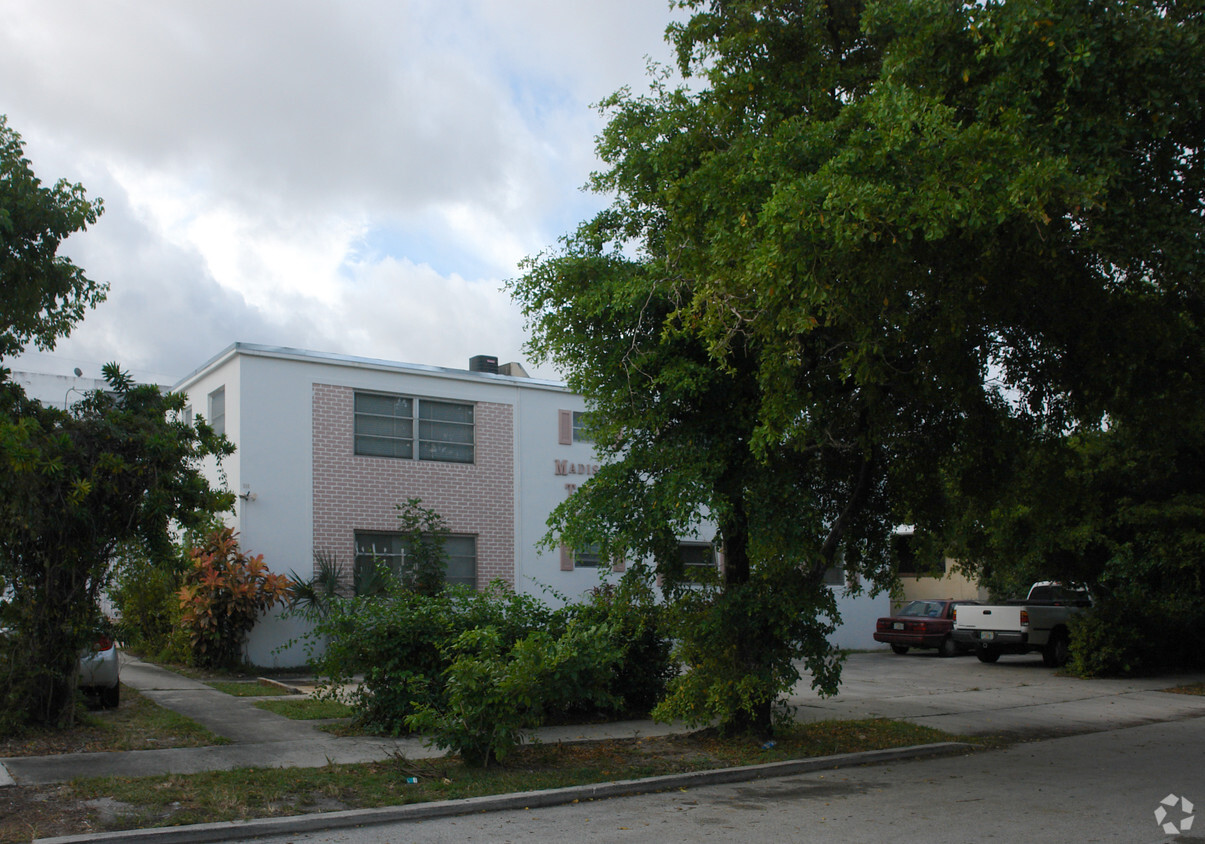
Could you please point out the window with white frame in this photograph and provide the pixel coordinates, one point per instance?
(413, 428)
(217, 410)
(393, 550)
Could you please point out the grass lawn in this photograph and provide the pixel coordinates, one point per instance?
(137, 724)
(306, 709)
(128, 803)
(247, 688)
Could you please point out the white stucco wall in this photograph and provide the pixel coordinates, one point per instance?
(269, 412)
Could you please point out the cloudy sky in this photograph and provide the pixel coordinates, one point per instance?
(349, 176)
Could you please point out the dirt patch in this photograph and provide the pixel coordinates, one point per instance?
(41, 812)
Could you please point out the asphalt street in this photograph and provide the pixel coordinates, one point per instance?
(1096, 787)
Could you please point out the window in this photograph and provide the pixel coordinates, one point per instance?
(913, 560)
(385, 427)
(698, 562)
(187, 415)
(834, 576)
(392, 548)
(572, 427)
(217, 410)
(580, 434)
(586, 557)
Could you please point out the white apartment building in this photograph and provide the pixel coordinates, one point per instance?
(329, 444)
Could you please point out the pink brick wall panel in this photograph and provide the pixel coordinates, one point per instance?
(360, 493)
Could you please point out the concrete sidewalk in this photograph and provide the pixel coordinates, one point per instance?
(1017, 696)
(257, 738)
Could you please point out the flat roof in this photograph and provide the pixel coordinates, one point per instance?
(331, 359)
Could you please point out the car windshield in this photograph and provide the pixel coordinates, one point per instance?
(924, 609)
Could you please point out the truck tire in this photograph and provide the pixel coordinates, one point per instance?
(900, 649)
(987, 654)
(947, 648)
(1057, 650)
(111, 697)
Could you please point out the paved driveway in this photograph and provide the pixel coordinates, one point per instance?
(1017, 696)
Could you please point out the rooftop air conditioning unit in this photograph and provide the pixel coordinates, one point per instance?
(484, 363)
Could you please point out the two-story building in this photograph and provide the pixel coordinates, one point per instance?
(328, 445)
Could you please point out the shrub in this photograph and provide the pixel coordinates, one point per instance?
(1128, 633)
(494, 695)
(399, 642)
(629, 611)
(740, 647)
(145, 595)
(224, 593)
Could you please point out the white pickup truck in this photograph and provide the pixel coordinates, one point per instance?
(1037, 623)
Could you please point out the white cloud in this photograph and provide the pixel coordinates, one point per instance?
(347, 177)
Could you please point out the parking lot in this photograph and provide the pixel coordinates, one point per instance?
(1017, 696)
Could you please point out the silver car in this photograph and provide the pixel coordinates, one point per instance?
(99, 671)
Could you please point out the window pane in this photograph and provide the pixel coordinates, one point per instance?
(217, 410)
(447, 452)
(384, 447)
(445, 412)
(586, 557)
(384, 425)
(462, 560)
(383, 405)
(580, 434)
(445, 432)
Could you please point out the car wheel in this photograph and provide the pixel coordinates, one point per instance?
(948, 647)
(111, 697)
(1057, 650)
(987, 654)
(900, 649)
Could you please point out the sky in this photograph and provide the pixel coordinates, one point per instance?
(350, 176)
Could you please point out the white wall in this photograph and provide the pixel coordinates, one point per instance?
(858, 617)
(540, 490)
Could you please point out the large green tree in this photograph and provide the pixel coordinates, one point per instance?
(42, 294)
(119, 471)
(114, 471)
(864, 242)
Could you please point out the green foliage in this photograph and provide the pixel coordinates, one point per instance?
(76, 489)
(224, 593)
(493, 695)
(424, 532)
(1134, 632)
(397, 641)
(42, 294)
(865, 248)
(143, 591)
(312, 596)
(736, 681)
(635, 626)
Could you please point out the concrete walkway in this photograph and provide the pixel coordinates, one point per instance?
(257, 738)
(1017, 697)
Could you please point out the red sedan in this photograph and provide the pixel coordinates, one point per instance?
(921, 624)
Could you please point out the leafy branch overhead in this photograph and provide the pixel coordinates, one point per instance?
(859, 253)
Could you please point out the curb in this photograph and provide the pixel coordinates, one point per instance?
(298, 824)
(268, 681)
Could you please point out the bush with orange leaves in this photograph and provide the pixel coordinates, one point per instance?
(224, 593)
